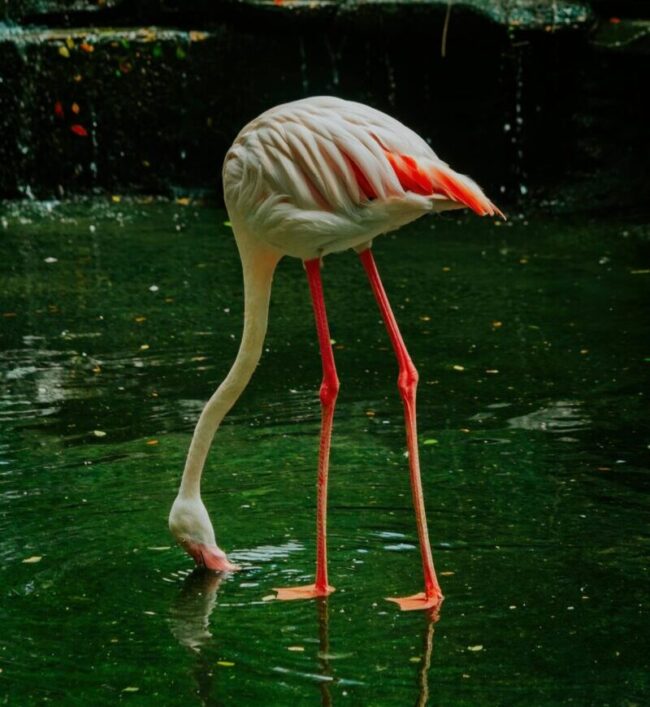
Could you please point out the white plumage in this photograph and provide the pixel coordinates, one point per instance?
(295, 177)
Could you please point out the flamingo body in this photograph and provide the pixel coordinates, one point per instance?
(306, 179)
(323, 174)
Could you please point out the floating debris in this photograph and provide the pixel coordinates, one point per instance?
(32, 560)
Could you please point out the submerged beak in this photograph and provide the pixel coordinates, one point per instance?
(209, 556)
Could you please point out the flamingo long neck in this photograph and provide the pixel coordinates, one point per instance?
(258, 268)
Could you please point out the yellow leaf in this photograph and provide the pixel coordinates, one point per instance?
(32, 560)
(64, 52)
(225, 663)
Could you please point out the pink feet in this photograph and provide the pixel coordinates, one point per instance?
(309, 591)
(418, 601)
(209, 556)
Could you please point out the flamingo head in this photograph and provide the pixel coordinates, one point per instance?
(190, 524)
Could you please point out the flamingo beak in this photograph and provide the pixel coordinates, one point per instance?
(209, 556)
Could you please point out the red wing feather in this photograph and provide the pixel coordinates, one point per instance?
(440, 180)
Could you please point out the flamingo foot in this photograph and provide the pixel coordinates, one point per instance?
(309, 591)
(210, 556)
(418, 601)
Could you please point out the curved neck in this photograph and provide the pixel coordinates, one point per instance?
(258, 267)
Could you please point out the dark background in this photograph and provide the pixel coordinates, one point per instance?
(536, 100)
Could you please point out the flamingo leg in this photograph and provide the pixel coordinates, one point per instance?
(407, 383)
(328, 393)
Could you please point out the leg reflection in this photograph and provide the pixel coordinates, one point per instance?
(324, 651)
(427, 640)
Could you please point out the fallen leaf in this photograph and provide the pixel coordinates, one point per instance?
(225, 663)
(131, 689)
(88, 48)
(296, 649)
(475, 649)
(79, 130)
(75, 108)
(456, 367)
(69, 42)
(64, 52)
(430, 441)
(152, 442)
(58, 110)
(99, 433)
(32, 560)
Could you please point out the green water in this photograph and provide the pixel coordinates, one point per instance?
(119, 319)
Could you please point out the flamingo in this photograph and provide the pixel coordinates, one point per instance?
(305, 179)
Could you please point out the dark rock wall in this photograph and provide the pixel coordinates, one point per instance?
(132, 106)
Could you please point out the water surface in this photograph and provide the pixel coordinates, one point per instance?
(117, 322)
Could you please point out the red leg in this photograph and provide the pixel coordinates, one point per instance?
(407, 384)
(328, 392)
